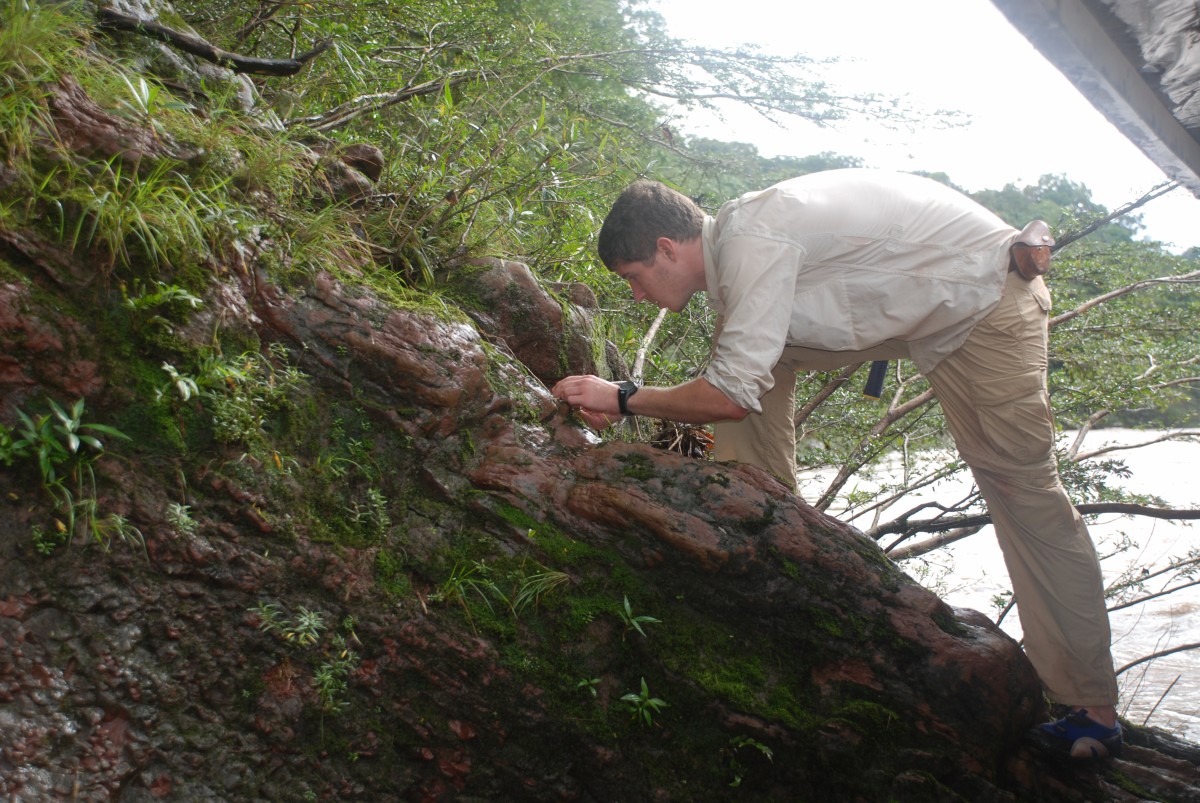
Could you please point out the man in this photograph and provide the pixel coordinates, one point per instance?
(843, 266)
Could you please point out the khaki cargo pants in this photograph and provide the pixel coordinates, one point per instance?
(993, 393)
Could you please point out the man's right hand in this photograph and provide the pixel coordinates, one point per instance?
(595, 399)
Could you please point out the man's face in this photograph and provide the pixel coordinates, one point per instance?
(659, 281)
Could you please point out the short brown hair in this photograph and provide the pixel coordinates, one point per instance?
(643, 212)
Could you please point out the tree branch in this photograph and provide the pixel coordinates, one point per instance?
(1169, 436)
(929, 544)
(938, 525)
(1159, 654)
(1156, 192)
(196, 46)
(848, 470)
(364, 104)
(824, 393)
(639, 362)
(1164, 593)
(1183, 278)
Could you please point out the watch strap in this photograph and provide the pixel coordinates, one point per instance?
(625, 389)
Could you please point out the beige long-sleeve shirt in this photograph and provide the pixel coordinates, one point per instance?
(841, 261)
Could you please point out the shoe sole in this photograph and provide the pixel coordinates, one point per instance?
(1083, 749)
(1088, 749)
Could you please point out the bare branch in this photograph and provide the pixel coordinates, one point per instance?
(1159, 654)
(1156, 192)
(818, 398)
(937, 525)
(639, 362)
(1158, 702)
(196, 46)
(929, 544)
(1167, 436)
(916, 485)
(1164, 593)
(1093, 419)
(893, 415)
(364, 104)
(1183, 278)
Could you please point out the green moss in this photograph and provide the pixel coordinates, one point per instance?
(166, 426)
(390, 574)
(790, 568)
(829, 622)
(753, 525)
(463, 287)
(1129, 785)
(944, 619)
(516, 517)
(734, 669)
(10, 274)
(719, 478)
(637, 466)
(876, 718)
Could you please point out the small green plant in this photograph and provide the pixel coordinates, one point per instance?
(179, 516)
(736, 767)
(64, 448)
(242, 393)
(371, 518)
(643, 706)
(466, 580)
(185, 386)
(46, 541)
(148, 307)
(114, 525)
(270, 616)
(634, 622)
(54, 439)
(156, 216)
(146, 98)
(332, 675)
(590, 684)
(307, 628)
(331, 656)
(536, 586)
(304, 629)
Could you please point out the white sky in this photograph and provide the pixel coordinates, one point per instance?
(939, 54)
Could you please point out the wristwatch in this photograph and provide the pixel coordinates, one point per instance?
(625, 389)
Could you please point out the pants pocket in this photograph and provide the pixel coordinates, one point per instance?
(1014, 414)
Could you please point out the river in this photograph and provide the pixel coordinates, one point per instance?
(1164, 692)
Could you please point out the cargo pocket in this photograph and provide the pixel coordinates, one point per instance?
(1014, 413)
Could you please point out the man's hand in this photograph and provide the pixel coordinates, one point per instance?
(594, 398)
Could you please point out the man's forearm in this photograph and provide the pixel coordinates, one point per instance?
(694, 402)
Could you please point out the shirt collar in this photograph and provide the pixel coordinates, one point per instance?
(708, 238)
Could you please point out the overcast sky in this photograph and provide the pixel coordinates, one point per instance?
(939, 54)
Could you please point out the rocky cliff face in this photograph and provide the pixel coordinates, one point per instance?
(371, 559)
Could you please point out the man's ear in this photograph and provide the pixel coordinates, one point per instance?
(667, 247)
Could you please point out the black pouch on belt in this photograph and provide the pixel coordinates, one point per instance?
(1030, 252)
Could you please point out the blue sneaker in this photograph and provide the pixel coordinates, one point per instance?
(1078, 737)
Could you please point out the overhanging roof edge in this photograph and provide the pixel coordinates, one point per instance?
(1068, 34)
